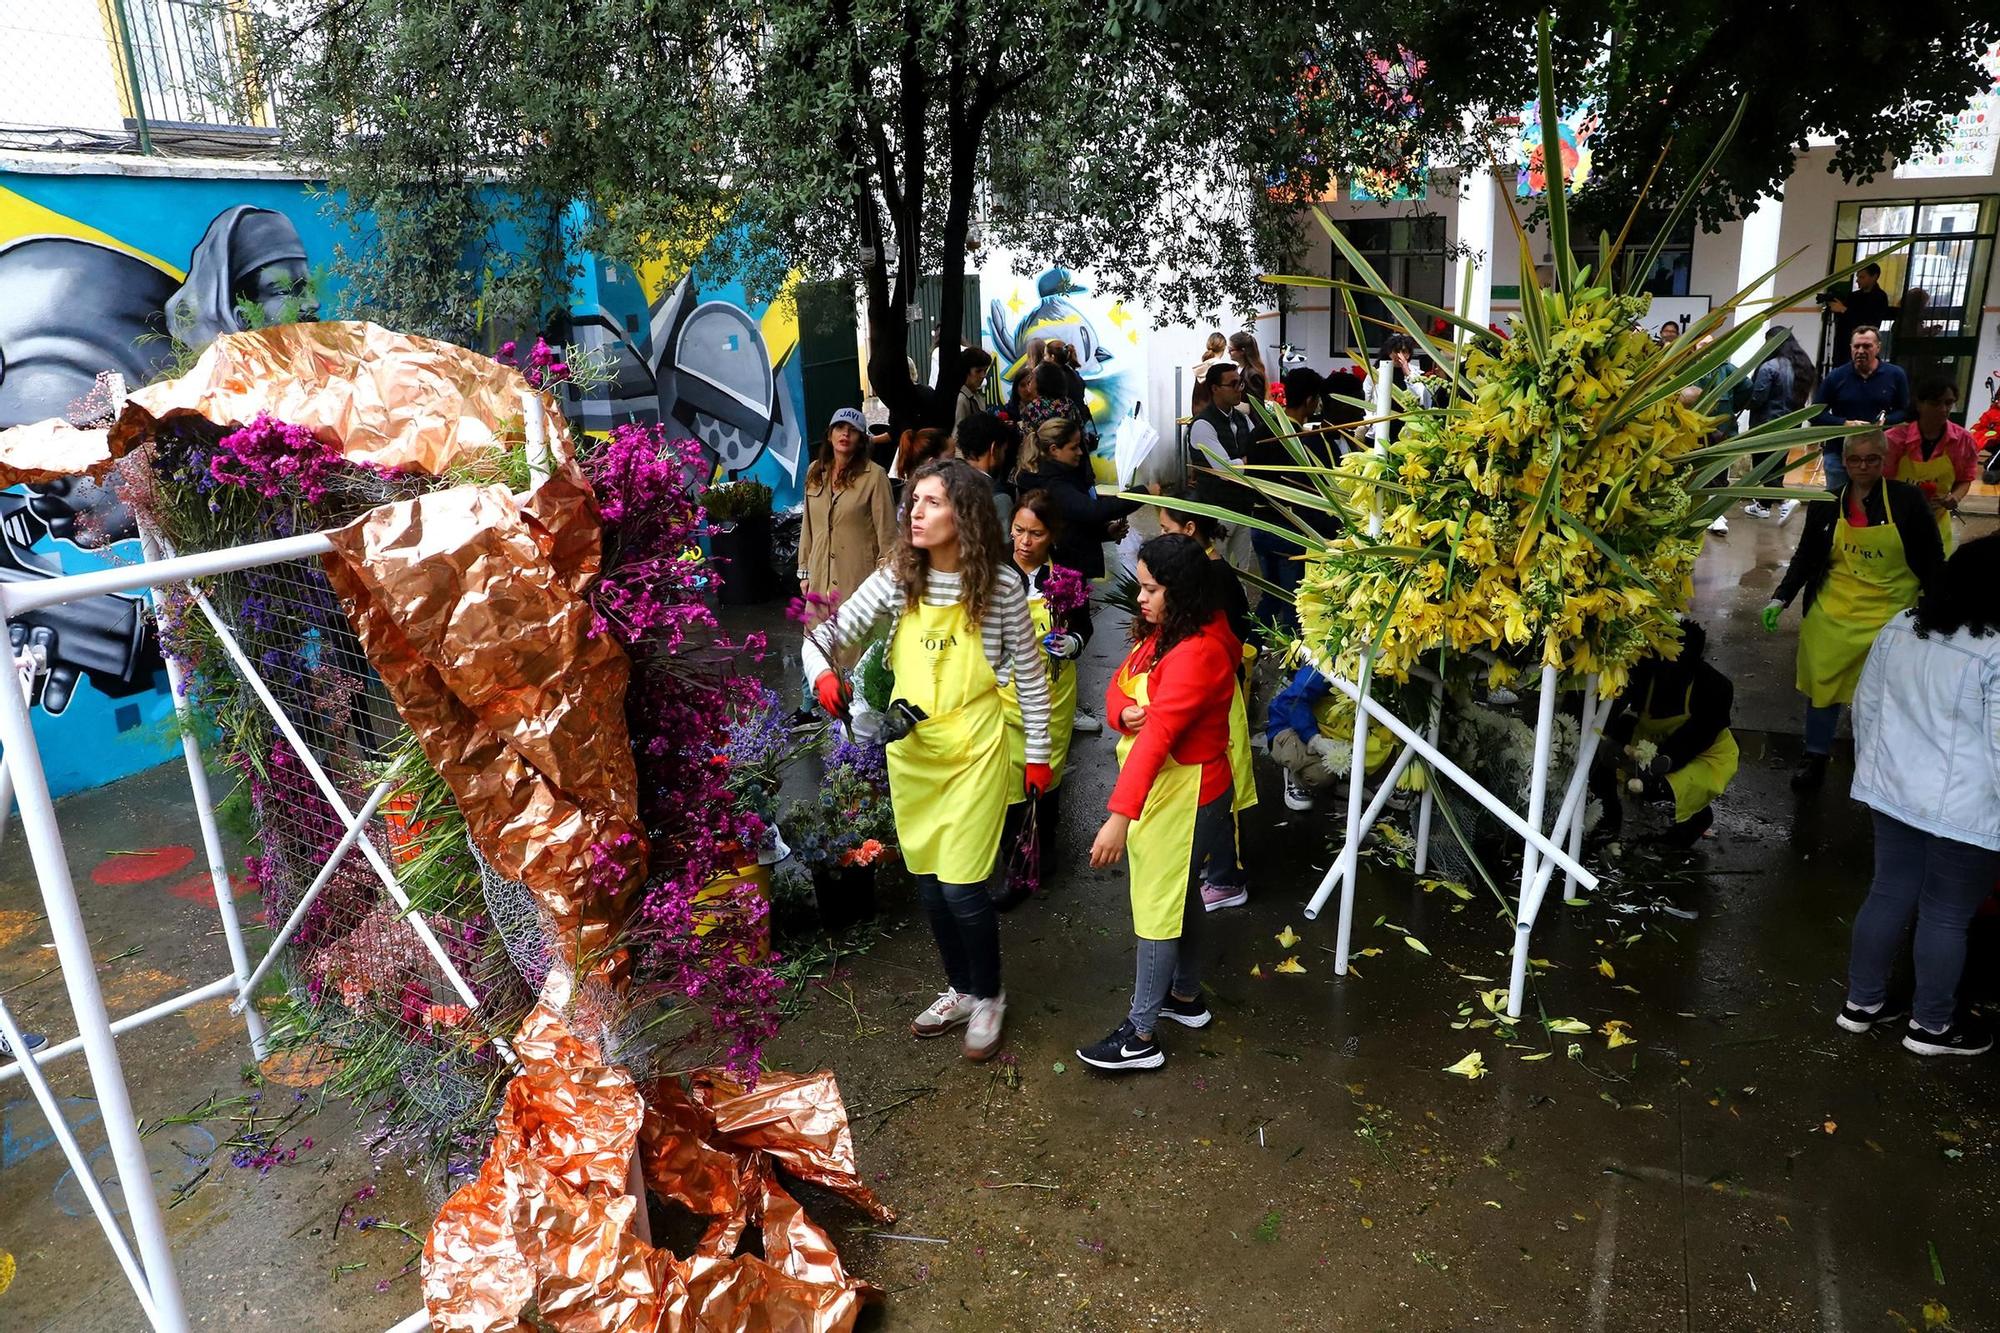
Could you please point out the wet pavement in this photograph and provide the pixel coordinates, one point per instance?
(1303, 1163)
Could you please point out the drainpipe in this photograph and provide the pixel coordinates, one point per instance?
(132, 75)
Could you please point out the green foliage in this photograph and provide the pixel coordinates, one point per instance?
(875, 679)
(734, 501)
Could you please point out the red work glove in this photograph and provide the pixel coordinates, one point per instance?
(833, 693)
(1040, 778)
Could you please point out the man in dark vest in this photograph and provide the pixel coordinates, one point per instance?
(1221, 432)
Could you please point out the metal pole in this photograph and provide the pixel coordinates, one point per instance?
(132, 76)
(298, 916)
(86, 1179)
(79, 973)
(1538, 788)
(204, 810)
(220, 988)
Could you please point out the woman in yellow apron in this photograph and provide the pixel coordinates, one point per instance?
(1171, 809)
(1032, 532)
(1682, 708)
(1861, 559)
(1935, 454)
(1224, 881)
(960, 621)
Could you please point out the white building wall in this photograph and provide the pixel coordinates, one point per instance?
(61, 68)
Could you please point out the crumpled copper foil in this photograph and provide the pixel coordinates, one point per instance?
(388, 398)
(547, 1222)
(50, 450)
(470, 606)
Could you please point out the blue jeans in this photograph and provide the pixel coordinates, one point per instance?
(1835, 464)
(967, 929)
(1821, 723)
(1278, 561)
(1939, 881)
(1172, 964)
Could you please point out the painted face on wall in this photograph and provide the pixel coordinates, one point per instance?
(283, 291)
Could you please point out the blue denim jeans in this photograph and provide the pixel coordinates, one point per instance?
(1173, 964)
(1278, 561)
(967, 929)
(1940, 882)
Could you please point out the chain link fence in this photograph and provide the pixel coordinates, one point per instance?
(172, 77)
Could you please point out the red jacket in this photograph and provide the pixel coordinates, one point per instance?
(1187, 717)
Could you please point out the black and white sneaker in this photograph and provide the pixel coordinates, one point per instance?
(1961, 1038)
(1861, 1020)
(36, 1041)
(1188, 1013)
(1123, 1049)
(1298, 796)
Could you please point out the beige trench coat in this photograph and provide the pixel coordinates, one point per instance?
(847, 532)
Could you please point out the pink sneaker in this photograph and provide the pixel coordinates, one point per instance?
(1215, 897)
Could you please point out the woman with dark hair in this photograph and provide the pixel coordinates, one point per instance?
(960, 627)
(1032, 536)
(1171, 807)
(1926, 763)
(850, 517)
(1052, 398)
(1935, 454)
(1862, 558)
(1681, 708)
(1056, 463)
(1222, 881)
(916, 448)
(1249, 359)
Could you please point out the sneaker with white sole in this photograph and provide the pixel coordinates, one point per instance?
(1298, 796)
(1757, 509)
(1721, 525)
(35, 1041)
(1963, 1037)
(982, 1030)
(946, 1012)
(1786, 510)
(1854, 1019)
(1123, 1049)
(1193, 1013)
(1086, 724)
(1215, 897)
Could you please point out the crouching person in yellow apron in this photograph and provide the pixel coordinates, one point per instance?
(1676, 715)
(1172, 810)
(955, 611)
(1861, 559)
(1033, 531)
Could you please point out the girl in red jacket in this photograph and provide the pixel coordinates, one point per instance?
(1171, 808)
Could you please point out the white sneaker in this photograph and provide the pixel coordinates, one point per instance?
(982, 1034)
(1786, 510)
(1721, 524)
(1757, 509)
(946, 1012)
(1086, 724)
(1297, 796)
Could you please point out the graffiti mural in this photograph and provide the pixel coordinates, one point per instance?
(723, 369)
(103, 273)
(1107, 335)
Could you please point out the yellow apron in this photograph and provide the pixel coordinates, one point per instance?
(1062, 711)
(1703, 778)
(1160, 843)
(948, 777)
(1868, 583)
(1240, 772)
(1934, 477)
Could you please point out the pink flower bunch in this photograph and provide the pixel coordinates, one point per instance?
(653, 582)
(545, 369)
(273, 458)
(1064, 590)
(380, 964)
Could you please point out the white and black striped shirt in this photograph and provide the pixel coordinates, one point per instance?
(1008, 635)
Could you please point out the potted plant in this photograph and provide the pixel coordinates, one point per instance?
(846, 833)
(739, 539)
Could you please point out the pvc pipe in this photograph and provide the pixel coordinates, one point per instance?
(204, 809)
(214, 990)
(1350, 850)
(339, 803)
(537, 438)
(420, 1322)
(1570, 818)
(1429, 798)
(79, 973)
(1443, 766)
(1538, 790)
(1385, 371)
(86, 1179)
(39, 593)
(320, 881)
(1344, 863)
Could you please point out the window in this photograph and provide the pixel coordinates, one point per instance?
(1409, 253)
(1936, 282)
(193, 66)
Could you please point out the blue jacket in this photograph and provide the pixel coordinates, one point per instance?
(1848, 397)
(1292, 709)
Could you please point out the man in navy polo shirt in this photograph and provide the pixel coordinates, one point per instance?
(1866, 389)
